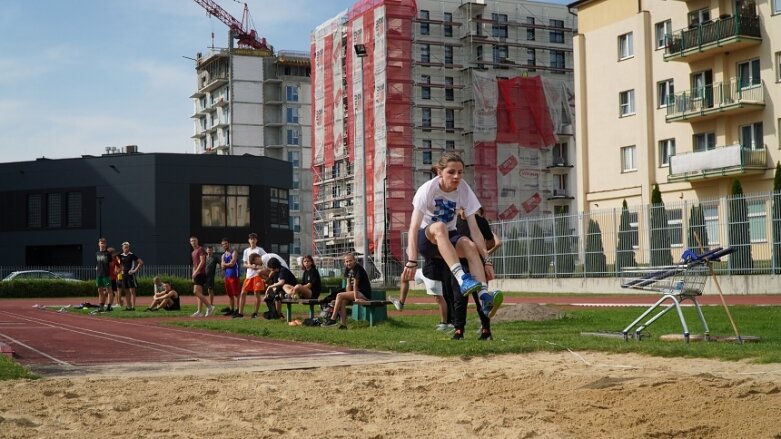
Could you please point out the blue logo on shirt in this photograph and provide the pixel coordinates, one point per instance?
(444, 210)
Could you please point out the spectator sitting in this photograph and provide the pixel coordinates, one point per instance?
(284, 282)
(309, 288)
(168, 299)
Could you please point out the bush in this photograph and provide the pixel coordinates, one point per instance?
(46, 288)
(625, 253)
(596, 264)
(741, 261)
(660, 232)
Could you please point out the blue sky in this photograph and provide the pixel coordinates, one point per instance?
(77, 76)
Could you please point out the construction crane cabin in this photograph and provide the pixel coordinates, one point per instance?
(240, 30)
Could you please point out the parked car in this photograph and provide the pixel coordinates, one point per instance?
(36, 275)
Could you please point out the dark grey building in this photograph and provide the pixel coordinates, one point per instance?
(53, 211)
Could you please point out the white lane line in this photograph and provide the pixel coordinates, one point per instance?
(44, 354)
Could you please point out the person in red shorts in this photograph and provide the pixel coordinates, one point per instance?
(254, 283)
(230, 270)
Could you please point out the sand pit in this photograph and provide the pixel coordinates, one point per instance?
(526, 312)
(539, 395)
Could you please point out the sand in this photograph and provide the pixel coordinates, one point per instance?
(537, 395)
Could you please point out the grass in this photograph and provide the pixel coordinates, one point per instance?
(11, 370)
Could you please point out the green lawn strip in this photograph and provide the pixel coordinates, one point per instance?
(11, 370)
(415, 333)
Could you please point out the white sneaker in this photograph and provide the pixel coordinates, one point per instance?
(442, 327)
(397, 303)
(209, 311)
(197, 314)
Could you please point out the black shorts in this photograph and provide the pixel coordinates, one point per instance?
(199, 279)
(209, 282)
(435, 269)
(428, 249)
(114, 286)
(129, 281)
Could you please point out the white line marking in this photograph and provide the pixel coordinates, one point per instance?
(57, 360)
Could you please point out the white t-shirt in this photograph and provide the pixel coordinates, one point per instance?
(247, 252)
(440, 206)
(267, 257)
(433, 287)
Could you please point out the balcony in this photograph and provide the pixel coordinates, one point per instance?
(559, 165)
(559, 194)
(726, 34)
(714, 100)
(718, 162)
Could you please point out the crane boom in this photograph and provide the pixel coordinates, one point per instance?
(247, 37)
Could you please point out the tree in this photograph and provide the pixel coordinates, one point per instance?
(564, 256)
(697, 228)
(660, 233)
(740, 262)
(625, 253)
(777, 219)
(596, 264)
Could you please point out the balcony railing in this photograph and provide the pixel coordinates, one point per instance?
(734, 97)
(728, 33)
(718, 162)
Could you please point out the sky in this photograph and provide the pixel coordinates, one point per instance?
(78, 76)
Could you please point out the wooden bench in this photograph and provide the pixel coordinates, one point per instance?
(372, 311)
(311, 303)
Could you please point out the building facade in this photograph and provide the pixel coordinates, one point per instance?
(55, 210)
(255, 102)
(683, 94)
(396, 83)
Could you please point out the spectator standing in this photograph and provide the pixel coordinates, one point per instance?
(253, 283)
(102, 275)
(129, 265)
(212, 261)
(230, 271)
(198, 256)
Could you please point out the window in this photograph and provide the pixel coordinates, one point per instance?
(778, 65)
(291, 92)
(675, 226)
(292, 115)
(54, 210)
(500, 53)
(626, 103)
(557, 60)
(279, 209)
(665, 92)
(426, 117)
(294, 157)
(628, 163)
(634, 229)
(702, 87)
(425, 53)
(450, 145)
(427, 159)
(425, 89)
(560, 154)
(447, 30)
(449, 92)
(424, 27)
(530, 31)
(450, 119)
(666, 150)
(74, 209)
(757, 216)
(748, 73)
(711, 214)
(34, 211)
(448, 54)
(224, 206)
(751, 136)
(295, 223)
(499, 30)
(699, 17)
(625, 46)
(777, 6)
(664, 31)
(531, 58)
(296, 179)
(295, 203)
(704, 142)
(293, 136)
(556, 36)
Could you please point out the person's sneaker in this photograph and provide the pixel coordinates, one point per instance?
(330, 323)
(490, 302)
(469, 284)
(237, 315)
(108, 308)
(397, 303)
(196, 314)
(485, 334)
(209, 311)
(442, 327)
(342, 327)
(226, 310)
(254, 315)
(458, 335)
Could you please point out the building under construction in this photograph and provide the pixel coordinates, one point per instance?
(395, 83)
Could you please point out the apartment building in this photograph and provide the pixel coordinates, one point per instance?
(255, 102)
(680, 93)
(396, 83)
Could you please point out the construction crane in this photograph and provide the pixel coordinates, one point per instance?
(248, 38)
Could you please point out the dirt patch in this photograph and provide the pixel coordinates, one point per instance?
(526, 312)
